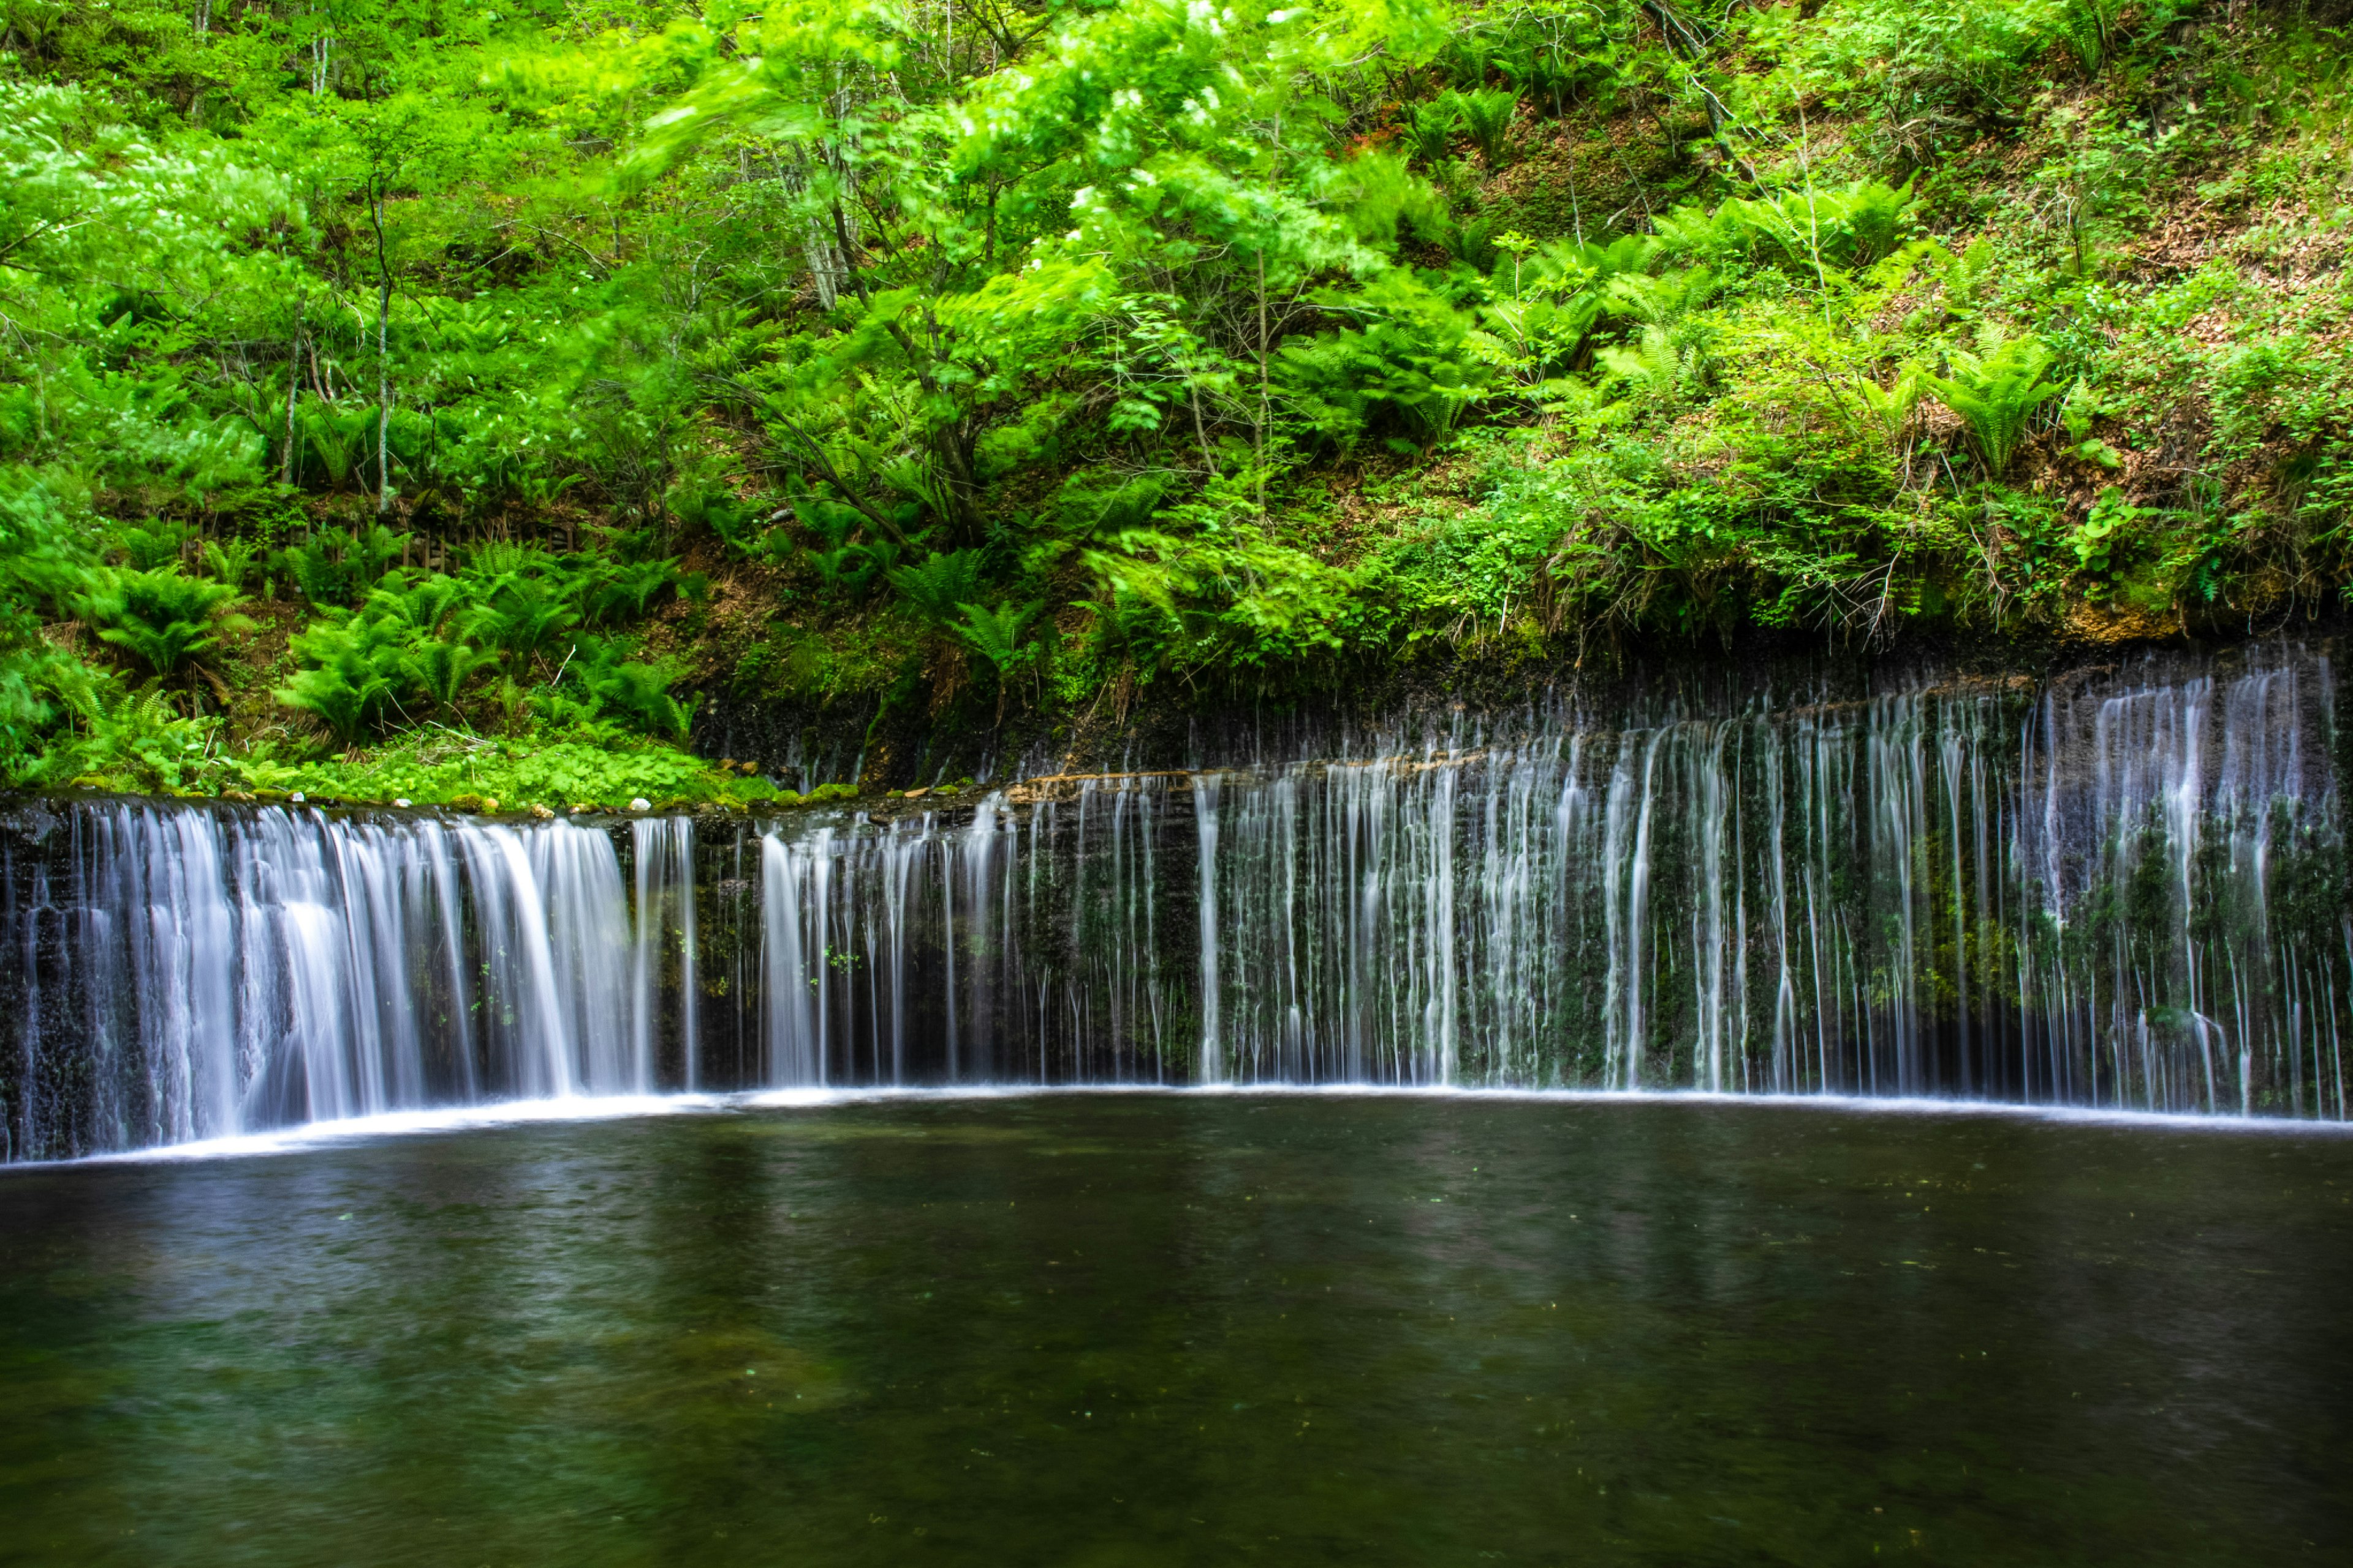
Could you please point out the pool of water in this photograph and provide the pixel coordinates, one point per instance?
(1105, 1329)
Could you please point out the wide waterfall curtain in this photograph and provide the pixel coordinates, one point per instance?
(2121, 889)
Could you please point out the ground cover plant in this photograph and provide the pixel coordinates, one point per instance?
(408, 400)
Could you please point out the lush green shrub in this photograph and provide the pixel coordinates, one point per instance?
(164, 619)
(1997, 393)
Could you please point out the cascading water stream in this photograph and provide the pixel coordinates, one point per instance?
(2125, 890)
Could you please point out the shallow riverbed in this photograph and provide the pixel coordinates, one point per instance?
(1096, 1329)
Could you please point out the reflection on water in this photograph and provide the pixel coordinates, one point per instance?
(1110, 1328)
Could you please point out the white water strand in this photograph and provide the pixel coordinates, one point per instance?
(662, 984)
(1204, 824)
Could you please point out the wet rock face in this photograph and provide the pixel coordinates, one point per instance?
(2123, 886)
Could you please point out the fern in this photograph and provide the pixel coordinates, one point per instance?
(232, 560)
(440, 668)
(524, 614)
(996, 634)
(1566, 263)
(1487, 116)
(334, 570)
(1996, 395)
(1888, 409)
(2090, 29)
(614, 591)
(922, 481)
(424, 608)
(637, 691)
(1651, 363)
(1432, 127)
(358, 671)
(164, 544)
(338, 437)
(500, 558)
(1843, 227)
(941, 585)
(372, 552)
(123, 740)
(162, 620)
(1662, 300)
(1472, 240)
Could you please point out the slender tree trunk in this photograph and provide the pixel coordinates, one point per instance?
(1265, 403)
(383, 359)
(382, 400)
(1575, 214)
(293, 383)
(1263, 400)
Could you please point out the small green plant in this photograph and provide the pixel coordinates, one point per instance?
(1995, 393)
(636, 693)
(1487, 116)
(162, 618)
(425, 607)
(996, 634)
(1433, 127)
(232, 560)
(119, 739)
(940, 585)
(161, 544)
(440, 668)
(614, 590)
(522, 615)
(355, 678)
(2104, 531)
(334, 570)
(1888, 409)
(1818, 226)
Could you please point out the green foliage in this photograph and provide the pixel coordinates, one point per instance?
(1997, 393)
(1842, 227)
(441, 667)
(334, 570)
(41, 555)
(1926, 71)
(1487, 117)
(577, 764)
(354, 674)
(1433, 127)
(1227, 335)
(2104, 531)
(940, 586)
(161, 545)
(1407, 372)
(996, 634)
(634, 692)
(130, 739)
(485, 644)
(522, 613)
(231, 559)
(161, 618)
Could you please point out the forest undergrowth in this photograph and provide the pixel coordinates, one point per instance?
(402, 400)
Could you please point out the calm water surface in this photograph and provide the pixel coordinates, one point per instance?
(1112, 1330)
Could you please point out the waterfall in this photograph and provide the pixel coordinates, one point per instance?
(2121, 887)
(1205, 827)
(186, 973)
(664, 947)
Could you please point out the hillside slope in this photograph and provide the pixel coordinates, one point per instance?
(401, 401)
